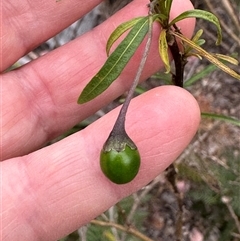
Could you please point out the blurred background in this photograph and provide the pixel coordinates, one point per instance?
(206, 205)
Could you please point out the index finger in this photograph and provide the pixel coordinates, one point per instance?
(26, 24)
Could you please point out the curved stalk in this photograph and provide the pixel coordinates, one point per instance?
(119, 127)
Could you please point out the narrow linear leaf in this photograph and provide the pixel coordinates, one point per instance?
(161, 4)
(195, 39)
(207, 55)
(164, 7)
(227, 58)
(168, 6)
(154, 8)
(115, 62)
(221, 117)
(122, 28)
(209, 69)
(200, 42)
(197, 36)
(163, 50)
(197, 13)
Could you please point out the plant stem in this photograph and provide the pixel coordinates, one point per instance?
(130, 230)
(119, 127)
(179, 62)
(171, 177)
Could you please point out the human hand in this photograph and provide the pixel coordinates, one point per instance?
(50, 192)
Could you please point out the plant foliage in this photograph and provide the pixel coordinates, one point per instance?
(138, 27)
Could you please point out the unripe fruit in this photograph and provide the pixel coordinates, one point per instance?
(120, 166)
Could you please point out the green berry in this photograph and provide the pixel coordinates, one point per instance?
(120, 166)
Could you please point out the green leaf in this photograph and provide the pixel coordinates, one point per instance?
(168, 4)
(159, 8)
(197, 36)
(221, 117)
(207, 55)
(122, 28)
(165, 6)
(200, 42)
(163, 50)
(197, 13)
(209, 69)
(115, 62)
(196, 39)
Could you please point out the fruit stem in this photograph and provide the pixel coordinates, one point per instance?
(119, 126)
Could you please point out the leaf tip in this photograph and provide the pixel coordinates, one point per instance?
(80, 100)
(219, 39)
